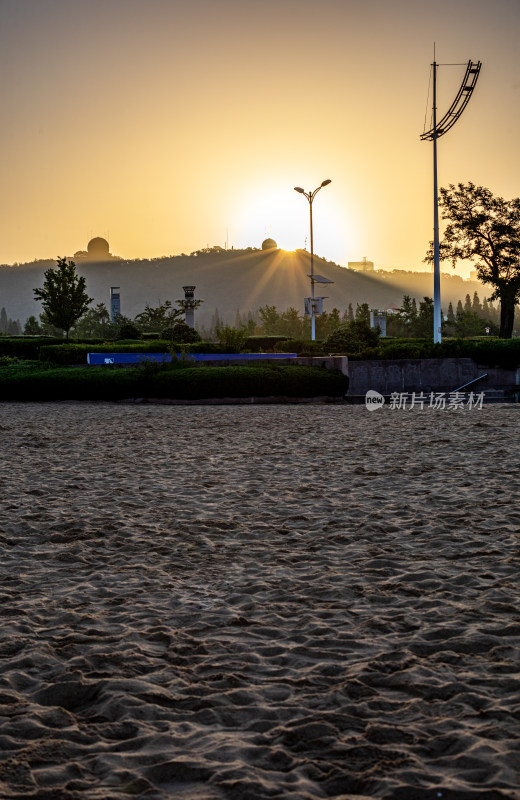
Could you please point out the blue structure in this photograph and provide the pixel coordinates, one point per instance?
(138, 358)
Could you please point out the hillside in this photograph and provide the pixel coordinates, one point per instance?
(231, 281)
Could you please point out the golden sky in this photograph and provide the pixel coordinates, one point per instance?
(168, 125)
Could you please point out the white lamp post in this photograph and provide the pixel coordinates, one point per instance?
(310, 197)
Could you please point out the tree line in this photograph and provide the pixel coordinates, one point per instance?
(412, 320)
(473, 318)
(8, 326)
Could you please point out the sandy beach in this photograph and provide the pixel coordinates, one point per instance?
(257, 602)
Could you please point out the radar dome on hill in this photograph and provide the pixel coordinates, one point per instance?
(98, 248)
(269, 244)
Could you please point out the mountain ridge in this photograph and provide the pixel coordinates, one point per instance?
(231, 281)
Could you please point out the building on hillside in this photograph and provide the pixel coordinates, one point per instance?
(98, 249)
(361, 266)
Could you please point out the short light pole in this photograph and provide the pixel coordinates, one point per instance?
(310, 197)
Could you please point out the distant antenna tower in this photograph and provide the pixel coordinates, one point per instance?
(436, 131)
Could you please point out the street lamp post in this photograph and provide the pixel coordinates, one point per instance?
(310, 197)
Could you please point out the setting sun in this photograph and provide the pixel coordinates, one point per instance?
(280, 213)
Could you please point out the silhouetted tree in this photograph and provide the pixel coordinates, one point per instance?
(408, 310)
(469, 324)
(352, 338)
(233, 339)
(423, 326)
(291, 324)
(127, 330)
(486, 230)
(245, 320)
(489, 312)
(327, 323)
(63, 295)
(32, 327)
(96, 323)
(269, 320)
(403, 323)
(155, 319)
(180, 333)
(215, 324)
(363, 312)
(47, 329)
(451, 314)
(476, 305)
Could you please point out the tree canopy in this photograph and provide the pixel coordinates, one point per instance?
(352, 337)
(63, 296)
(486, 230)
(163, 316)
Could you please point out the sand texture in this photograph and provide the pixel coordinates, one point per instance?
(243, 603)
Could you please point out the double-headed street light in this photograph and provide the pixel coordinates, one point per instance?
(310, 197)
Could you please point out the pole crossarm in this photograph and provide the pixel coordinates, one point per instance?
(459, 104)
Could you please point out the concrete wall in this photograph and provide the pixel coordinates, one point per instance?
(428, 374)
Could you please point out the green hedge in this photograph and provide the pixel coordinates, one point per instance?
(303, 347)
(77, 353)
(261, 344)
(25, 347)
(29, 347)
(485, 352)
(191, 383)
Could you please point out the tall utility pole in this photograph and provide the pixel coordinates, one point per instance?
(437, 321)
(435, 132)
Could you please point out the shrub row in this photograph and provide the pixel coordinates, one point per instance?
(192, 383)
(25, 347)
(29, 347)
(264, 343)
(75, 353)
(303, 347)
(487, 352)
(503, 353)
